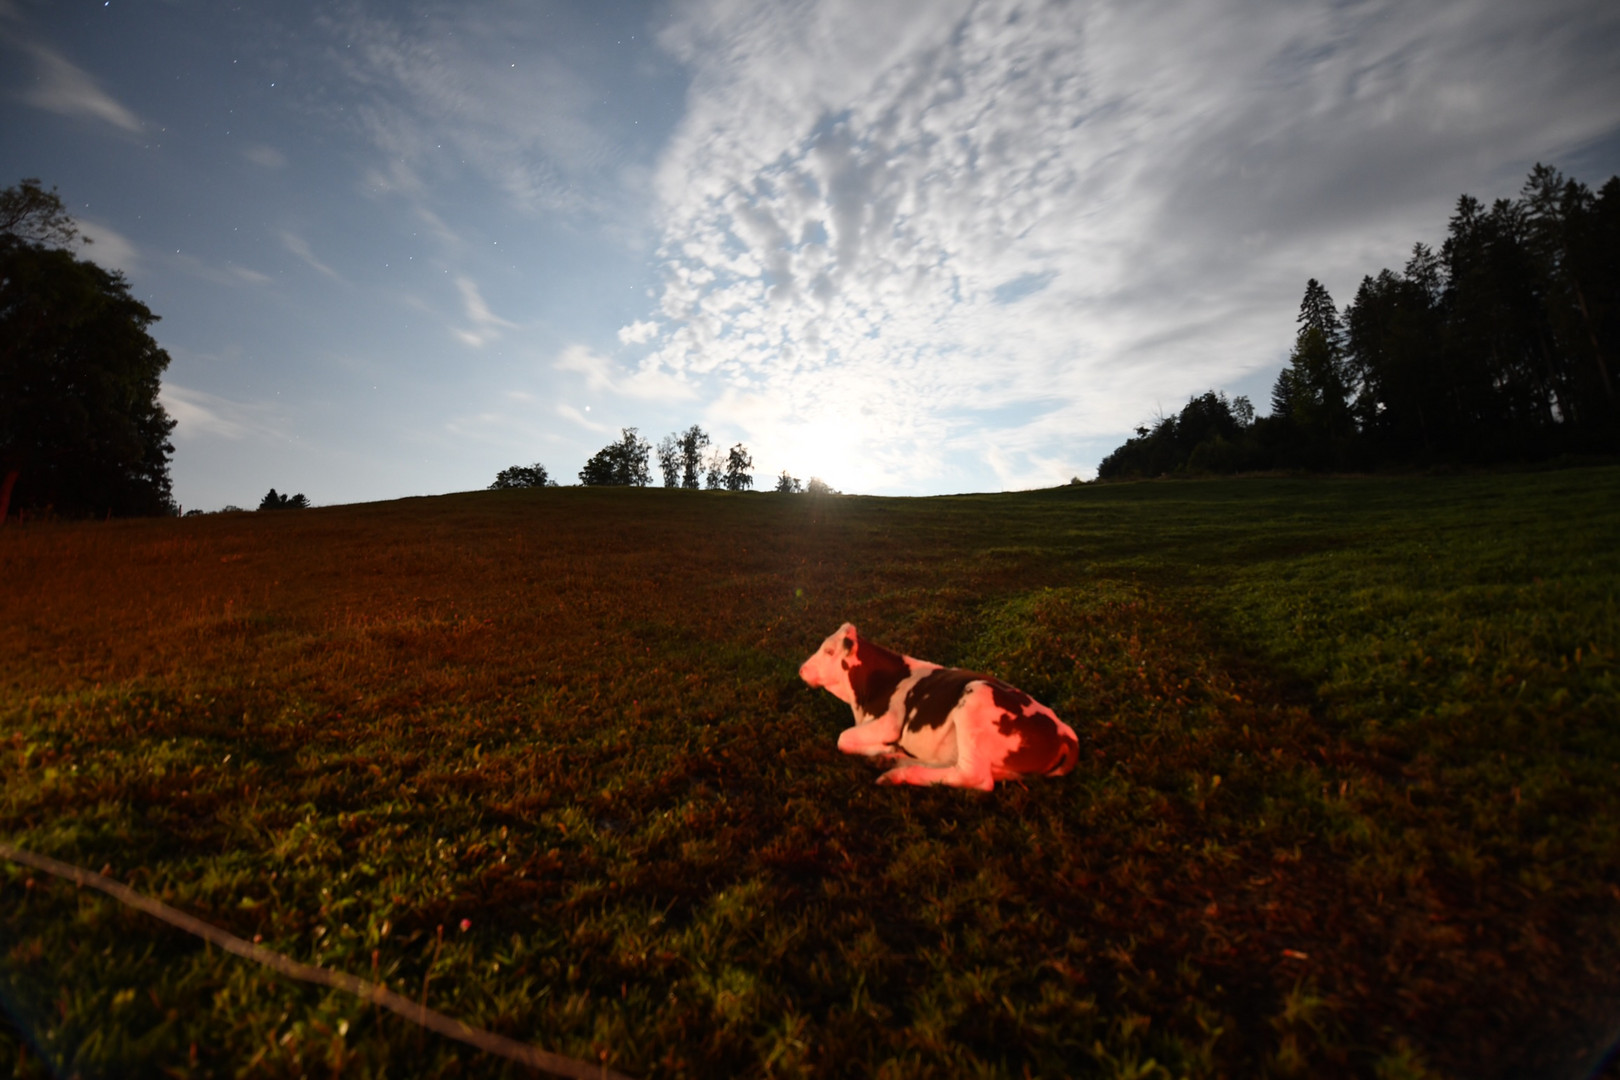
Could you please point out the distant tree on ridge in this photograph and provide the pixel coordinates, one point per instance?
(738, 476)
(619, 464)
(272, 501)
(522, 476)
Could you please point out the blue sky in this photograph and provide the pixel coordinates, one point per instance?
(908, 247)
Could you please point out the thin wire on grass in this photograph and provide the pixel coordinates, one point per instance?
(488, 1041)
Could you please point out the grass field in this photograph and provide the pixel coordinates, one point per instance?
(1348, 803)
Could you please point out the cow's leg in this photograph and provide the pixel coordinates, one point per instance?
(955, 775)
(871, 739)
(969, 722)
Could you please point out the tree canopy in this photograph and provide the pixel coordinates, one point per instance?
(739, 466)
(31, 215)
(272, 501)
(1499, 346)
(522, 476)
(619, 464)
(81, 429)
(680, 457)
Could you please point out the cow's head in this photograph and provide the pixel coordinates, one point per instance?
(828, 667)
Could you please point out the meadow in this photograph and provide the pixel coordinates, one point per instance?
(1348, 801)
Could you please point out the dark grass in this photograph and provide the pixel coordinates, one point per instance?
(1349, 803)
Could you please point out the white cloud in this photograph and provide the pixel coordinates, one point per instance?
(61, 87)
(601, 374)
(486, 325)
(109, 247)
(926, 234)
(494, 94)
(265, 156)
(300, 247)
(247, 276)
(639, 332)
(199, 414)
(569, 412)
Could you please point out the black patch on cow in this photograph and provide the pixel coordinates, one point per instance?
(932, 697)
(1042, 747)
(874, 675)
(1008, 698)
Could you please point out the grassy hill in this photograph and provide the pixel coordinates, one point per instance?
(1348, 804)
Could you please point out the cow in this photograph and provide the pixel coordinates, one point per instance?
(937, 725)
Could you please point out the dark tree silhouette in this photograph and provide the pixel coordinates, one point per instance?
(739, 476)
(31, 215)
(669, 460)
(714, 474)
(1211, 434)
(788, 484)
(81, 428)
(522, 476)
(680, 458)
(272, 501)
(1499, 346)
(619, 464)
(1311, 400)
(692, 441)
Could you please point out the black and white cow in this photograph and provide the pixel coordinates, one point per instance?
(937, 725)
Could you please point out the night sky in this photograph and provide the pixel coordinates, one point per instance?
(908, 247)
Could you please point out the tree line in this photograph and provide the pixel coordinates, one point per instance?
(627, 462)
(1500, 346)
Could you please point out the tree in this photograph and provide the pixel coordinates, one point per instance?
(81, 428)
(1211, 434)
(788, 484)
(738, 465)
(692, 443)
(669, 460)
(31, 215)
(272, 501)
(1316, 311)
(818, 486)
(1565, 236)
(1500, 345)
(522, 476)
(620, 464)
(1311, 398)
(714, 478)
(1393, 353)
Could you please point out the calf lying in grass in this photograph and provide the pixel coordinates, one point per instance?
(937, 725)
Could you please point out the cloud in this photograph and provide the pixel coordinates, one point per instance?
(446, 89)
(646, 383)
(941, 234)
(639, 332)
(61, 87)
(247, 276)
(109, 247)
(228, 274)
(568, 412)
(486, 324)
(199, 415)
(300, 247)
(265, 156)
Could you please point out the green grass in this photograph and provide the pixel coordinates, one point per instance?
(1348, 804)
